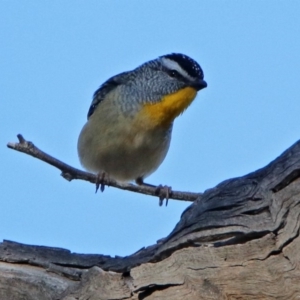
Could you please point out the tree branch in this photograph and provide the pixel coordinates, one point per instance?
(70, 173)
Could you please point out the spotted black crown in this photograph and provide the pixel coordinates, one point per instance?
(186, 63)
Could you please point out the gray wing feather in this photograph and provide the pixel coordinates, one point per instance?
(105, 88)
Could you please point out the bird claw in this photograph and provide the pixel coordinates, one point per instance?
(100, 181)
(163, 193)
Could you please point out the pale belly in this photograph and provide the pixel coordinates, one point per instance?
(125, 153)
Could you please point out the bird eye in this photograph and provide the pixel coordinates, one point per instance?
(173, 73)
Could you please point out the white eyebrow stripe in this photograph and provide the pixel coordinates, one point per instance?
(173, 65)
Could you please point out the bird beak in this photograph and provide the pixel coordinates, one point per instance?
(199, 85)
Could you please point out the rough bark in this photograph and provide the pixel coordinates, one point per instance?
(239, 241)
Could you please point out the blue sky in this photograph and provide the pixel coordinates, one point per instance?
(54, 55)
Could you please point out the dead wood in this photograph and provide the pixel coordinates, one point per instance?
(240, 240)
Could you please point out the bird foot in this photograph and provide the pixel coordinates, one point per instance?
(100, 181)
(163, 192)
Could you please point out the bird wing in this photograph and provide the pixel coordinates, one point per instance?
(105, 88)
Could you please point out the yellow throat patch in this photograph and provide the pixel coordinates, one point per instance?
(171, 106)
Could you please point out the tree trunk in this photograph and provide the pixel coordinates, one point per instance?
(240, 240)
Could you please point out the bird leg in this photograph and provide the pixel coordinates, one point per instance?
(101, 176)
(163, 192)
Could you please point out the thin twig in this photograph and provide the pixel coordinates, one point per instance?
(71, 173)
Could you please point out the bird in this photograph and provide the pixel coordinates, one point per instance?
(129, 123)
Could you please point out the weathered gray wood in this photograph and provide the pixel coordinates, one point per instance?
(240, 241)
(25, 281)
